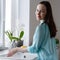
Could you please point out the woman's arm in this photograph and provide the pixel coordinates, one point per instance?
(15, 50)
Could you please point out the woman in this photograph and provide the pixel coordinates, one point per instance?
(44, 37)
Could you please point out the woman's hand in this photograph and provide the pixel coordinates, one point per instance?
(12, 51)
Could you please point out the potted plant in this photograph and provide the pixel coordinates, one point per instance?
(57, 42)
(18, 39)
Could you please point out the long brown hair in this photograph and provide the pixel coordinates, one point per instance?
(49, 19)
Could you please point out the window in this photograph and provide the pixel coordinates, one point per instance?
(11, 18)
(14, 15)
(2, 21)
(8, 19)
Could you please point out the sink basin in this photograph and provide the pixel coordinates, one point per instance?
(19, 56)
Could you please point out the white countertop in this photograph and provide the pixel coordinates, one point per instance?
(17, 56)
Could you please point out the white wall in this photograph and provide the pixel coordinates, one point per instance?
(56, 14)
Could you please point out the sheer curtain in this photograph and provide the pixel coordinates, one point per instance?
(8, 19)
(14, 15)
(2, 21)
(11, 18)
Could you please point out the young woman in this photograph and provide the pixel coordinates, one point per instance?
(44, 37)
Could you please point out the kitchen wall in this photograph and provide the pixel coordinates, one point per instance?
(56, 14)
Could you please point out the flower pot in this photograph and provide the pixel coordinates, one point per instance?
(19, 43)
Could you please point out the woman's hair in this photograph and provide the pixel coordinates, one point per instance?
(49, 18)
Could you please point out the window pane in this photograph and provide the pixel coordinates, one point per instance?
(2, 21)
(7, 20)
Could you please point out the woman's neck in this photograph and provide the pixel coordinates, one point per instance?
(41, 21)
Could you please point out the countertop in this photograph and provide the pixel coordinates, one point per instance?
(17, 56)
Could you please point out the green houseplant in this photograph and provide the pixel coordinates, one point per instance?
(57, 42)
(14, 38)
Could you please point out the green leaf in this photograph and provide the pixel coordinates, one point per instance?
(21, 34)
(9, 34)
(57, 41)
(15, 38)
(11, 37)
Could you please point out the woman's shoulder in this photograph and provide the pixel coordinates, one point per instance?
(43, 25)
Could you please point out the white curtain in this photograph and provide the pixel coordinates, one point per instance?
(11, 18)
(15, 16)
(2, 21)
(8, 19)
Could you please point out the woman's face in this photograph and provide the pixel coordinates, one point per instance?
(40, 12)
